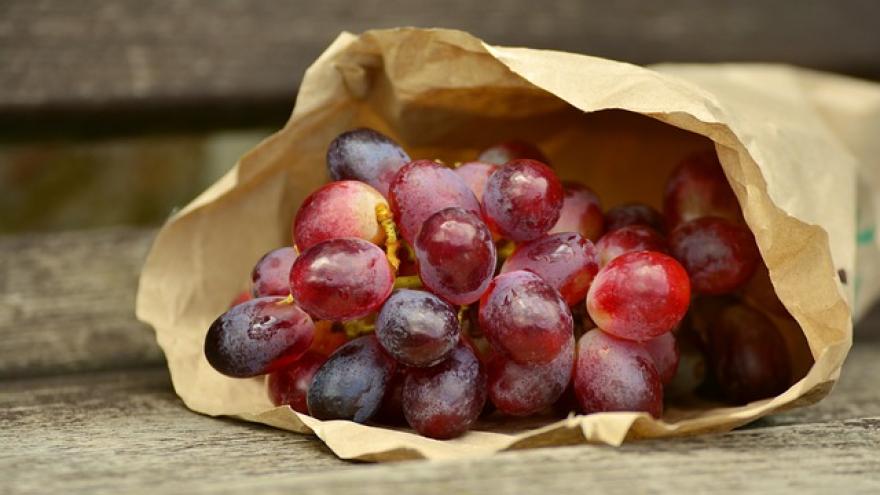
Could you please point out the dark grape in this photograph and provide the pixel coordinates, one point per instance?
(627, 240)
(290, 385)
(581, 212)
(634, 214)
(257, 337)
(391, 410)
(475, 175)
(417, 328)
(525, 318)
(443, 401)
(422, 188)
(513, 149)
(566, 261)
(616, 375)
(522, 200)
(698, 188)
(639, 295)
(339, 209)
(747, 355)
(456, 255)
(271, 275)
(524, 389)
(664, 351)
(365, 155)
(352, 383)
(341, 279)
(720, 256)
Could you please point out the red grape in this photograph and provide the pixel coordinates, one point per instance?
(365, 155)
(456, 255)
(417, 328)
(524, 389)
(581, 212)
(444, 400)
(525, 318)
(341, 279)
(633, 214)
(664, 351)
(475, 175)
(698, 188)
(422, 188)
(329, 336)
(612, 374)
(240, 298)
(339, 209)
(522, 200)
(566, 261)
(290, 385)
(352, 383)
(719, 256)
(257, 337)
(748, 355)
(629, 239)
(271, 275)
(639, 295)
(513, 149)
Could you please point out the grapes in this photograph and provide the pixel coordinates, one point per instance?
(612, 374)
(525, 318)
(633, 214)
(640, 295)
(391, 409)
(719, 256)
(290, 385)
(524, 389)
(456, 255)
(352, 383)
(522, 200)
(257, 337)
(747, 355)
(664, 351)
(698, 188)
(365, 155)
(444, 400)
(513, 149)
(422, 188)
(629, 239)
(417, 328)
(581, 212)
(341, 279)
(271, 275)
(475, 175)
(339, 209)
(329, 336)
(566, 261)
(240, 298)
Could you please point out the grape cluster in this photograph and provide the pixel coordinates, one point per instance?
(416, 292)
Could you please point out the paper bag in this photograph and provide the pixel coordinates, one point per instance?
(787, 142)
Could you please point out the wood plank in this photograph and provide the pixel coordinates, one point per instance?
(125, 431)
(67, 302)
(230, 58)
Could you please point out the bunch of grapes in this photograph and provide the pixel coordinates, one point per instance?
(417, 292)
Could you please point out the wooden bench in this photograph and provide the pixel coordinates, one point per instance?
(86, 404)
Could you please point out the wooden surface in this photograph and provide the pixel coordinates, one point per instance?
(130, 64)
(87, 407)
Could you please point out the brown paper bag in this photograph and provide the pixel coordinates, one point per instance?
(787, 145)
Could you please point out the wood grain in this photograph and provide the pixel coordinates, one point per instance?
(67, 302)
(125, 431)
(119, 59)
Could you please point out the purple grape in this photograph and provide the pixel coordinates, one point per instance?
(257, 337)
(522, 200)
(365, 155)
(417, 328)
(352, 383)
(271, 275)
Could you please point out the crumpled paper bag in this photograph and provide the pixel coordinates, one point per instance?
(794, 145)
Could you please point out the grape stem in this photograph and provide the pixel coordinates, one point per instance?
(356, 328)
(392, 243)
(286, 301)
(408, 282)
(505, 249)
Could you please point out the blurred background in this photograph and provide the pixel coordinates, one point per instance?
(118, 112)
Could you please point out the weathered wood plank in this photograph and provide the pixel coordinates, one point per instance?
(67, 302)
(118, 431)
(132, 55)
